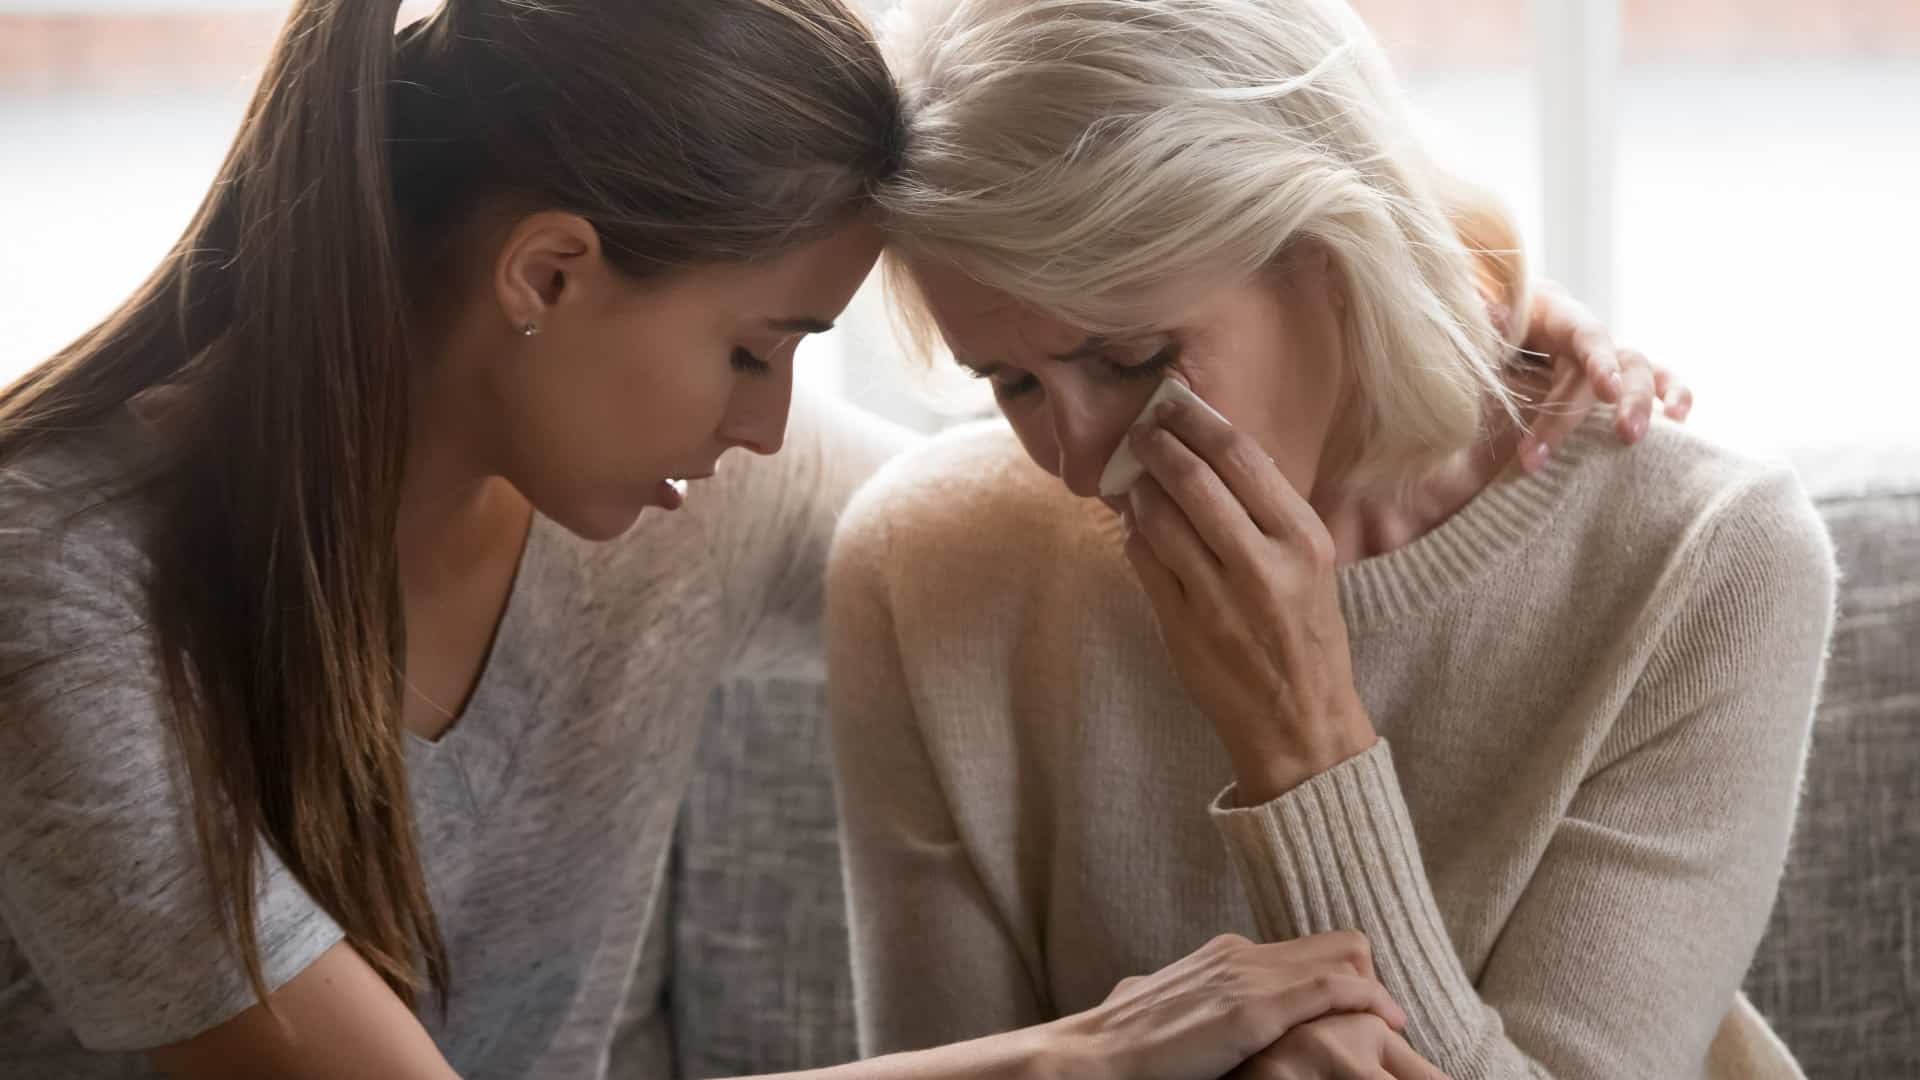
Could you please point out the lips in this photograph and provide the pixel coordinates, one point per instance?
(671, 493)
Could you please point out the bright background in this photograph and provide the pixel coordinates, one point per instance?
(1735, 182)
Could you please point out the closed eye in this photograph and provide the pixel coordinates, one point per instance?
(1006, 385)
(1148, 368)
(745, 362)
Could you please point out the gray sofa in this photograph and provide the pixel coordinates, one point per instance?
(748, 972)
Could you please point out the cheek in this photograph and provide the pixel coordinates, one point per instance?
(1232, 372)
(1035, 432)
(1284, 400)
(686, 388)
(1073, 428)
(629, 401)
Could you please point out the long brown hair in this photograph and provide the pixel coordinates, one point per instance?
(687, 131)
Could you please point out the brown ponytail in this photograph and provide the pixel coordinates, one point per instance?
(274, 590)
(287, 531)
(279, 327)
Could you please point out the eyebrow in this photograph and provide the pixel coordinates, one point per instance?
(1093, 346)
(800, 324)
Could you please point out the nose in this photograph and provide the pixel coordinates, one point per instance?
(757, 413)
(1083, 442)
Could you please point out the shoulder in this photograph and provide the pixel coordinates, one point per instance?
(1690, 494)
(761, 512)
(76, 657)
(831, 447)
(73, 528)
(1729, 544)
(964, 496)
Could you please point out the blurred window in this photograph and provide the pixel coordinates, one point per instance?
(1736, 185)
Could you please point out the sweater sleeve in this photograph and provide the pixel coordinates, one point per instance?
(101, 885)
(1630, 940)
(934, 958)
(774, 563)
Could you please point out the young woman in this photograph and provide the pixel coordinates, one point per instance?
(333, 741)
(1536, 734)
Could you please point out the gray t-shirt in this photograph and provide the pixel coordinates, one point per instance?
(544, 815)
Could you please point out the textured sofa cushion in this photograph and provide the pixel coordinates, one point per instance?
(1838, 974)
(759, 972)
(761, 977)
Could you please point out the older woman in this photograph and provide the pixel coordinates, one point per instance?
(1535, 732)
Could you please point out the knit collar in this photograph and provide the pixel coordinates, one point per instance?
(1500, 520)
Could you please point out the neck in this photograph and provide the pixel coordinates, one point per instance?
(1373, 520)
(455, 510)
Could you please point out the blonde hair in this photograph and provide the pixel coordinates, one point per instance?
(1086, 156)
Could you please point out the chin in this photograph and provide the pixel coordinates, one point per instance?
(600, 523)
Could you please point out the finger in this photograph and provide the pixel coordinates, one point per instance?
(1635, 409)
(1328, 992)
(1674, 394)
(1593, 349)
(1261, 1066)
(1264, 494)
(1564, 327)
(1348, 949)
(1402, 1062)
(1269, 1065)
(1201, 496)
(1162, 586)
(1164, 526)
(1560, 412)
(1501, 317)
(1225, 943)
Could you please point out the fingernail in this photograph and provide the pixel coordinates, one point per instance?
(1640, 425)
(1167, 410)
(1614, 384)
(1537, 455)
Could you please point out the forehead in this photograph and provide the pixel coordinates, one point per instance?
(817, 277)
(984, 325)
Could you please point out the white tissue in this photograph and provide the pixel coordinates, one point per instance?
(1124, 470)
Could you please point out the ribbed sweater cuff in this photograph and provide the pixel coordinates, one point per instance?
(1339, 853)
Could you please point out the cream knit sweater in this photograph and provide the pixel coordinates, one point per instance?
(1593, 688)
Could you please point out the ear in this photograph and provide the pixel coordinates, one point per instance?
(1307, 265)
(541, 266)
(1317, 268)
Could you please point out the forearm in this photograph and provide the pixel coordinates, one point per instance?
(336, 1018)
(1338, 853)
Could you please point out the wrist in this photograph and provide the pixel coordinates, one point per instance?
(1066, 1049)
(1263, 777)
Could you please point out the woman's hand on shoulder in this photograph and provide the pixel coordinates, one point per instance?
(1582, 369)
(336, 1018)
(1228, 1001)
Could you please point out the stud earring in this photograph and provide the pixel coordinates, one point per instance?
(530, 329)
